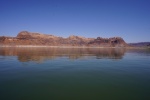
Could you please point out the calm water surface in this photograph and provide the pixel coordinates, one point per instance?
(74, 74)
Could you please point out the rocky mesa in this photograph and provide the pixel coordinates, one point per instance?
(30, 38)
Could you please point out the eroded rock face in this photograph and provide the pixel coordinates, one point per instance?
(28, 38)
(29, 35)
(107, 42)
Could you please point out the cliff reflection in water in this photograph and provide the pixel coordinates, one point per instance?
(41, 54)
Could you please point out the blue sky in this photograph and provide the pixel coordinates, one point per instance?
(129, 19)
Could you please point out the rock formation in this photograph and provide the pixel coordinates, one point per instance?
(28, 38)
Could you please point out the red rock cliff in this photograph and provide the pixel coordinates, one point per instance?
(28, 38)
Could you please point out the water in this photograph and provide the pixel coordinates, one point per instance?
(74, 74)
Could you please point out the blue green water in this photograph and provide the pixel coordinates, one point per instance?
(74, 74)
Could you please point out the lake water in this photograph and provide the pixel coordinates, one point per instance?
(74, 74)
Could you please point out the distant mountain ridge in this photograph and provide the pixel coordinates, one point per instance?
(31, 38)
(139, 44)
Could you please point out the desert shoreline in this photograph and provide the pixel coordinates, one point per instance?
(46, 46)
(57, 46)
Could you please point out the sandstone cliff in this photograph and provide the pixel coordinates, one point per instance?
(28, 38)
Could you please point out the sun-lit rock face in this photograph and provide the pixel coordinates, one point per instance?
(29, 35)
(29, 38)
(115, 41)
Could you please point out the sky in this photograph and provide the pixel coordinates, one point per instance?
(129, 19)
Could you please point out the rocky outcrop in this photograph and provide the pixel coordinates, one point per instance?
(115, 41)
(28, 35)
(28, 38)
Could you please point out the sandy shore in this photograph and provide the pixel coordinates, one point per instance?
(40, 46)
(57, 46)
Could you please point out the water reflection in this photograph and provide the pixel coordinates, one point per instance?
(41, 54)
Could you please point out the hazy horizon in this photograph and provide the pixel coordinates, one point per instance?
(129, 19)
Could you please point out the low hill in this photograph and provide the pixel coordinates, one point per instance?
(30, 38)
(140, 44)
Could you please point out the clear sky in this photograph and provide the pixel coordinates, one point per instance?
(129, 19)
